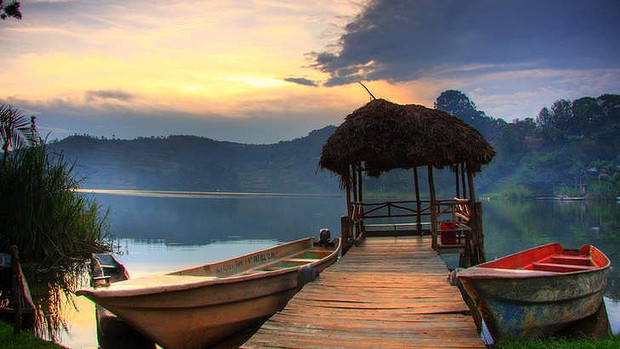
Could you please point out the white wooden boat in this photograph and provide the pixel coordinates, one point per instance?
(113, 332)
(200, 306)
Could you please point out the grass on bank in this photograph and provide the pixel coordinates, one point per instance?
(24, 340)
(41, 212)
(611, 342)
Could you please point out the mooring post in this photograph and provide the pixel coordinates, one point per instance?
(16, 290)
(346, 234)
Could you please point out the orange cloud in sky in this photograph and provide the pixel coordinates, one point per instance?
(229, 58)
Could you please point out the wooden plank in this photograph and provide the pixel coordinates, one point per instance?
(389, 292)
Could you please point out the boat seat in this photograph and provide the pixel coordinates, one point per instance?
(561, 268)
(108, 266)
(98, 278)
(301, 260)
(573, 260)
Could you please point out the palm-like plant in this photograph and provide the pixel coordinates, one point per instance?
(16, 130)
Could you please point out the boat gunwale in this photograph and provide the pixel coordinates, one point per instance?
(484, 271)
(203, 281)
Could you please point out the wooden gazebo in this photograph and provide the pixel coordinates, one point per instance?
(382, 136)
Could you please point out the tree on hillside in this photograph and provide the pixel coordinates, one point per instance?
(556, 124)
(458, 104)
(589, 115)
(510, 142)
(10, 10)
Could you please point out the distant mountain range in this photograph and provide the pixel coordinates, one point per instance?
(571, 148)
(200, 164)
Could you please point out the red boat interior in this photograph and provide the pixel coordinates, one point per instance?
(553, 258)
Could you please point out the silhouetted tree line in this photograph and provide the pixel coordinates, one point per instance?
(570, 148)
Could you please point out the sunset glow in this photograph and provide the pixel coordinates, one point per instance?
(79, 64)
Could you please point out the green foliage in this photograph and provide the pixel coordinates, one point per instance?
(559, 343)
(42, 214)
(16, 130)
(9, 10)
(459, 105)
(24, 340)
(571, 149)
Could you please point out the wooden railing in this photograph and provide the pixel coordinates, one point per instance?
(413, 218)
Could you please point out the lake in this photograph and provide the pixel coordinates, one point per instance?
(163, 231)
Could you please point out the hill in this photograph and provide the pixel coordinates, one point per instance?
(201, 164)
(570, 148)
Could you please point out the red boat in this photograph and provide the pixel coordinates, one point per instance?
(538, 291)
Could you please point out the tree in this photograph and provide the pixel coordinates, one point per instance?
(588, 115)
(562, 111)
(557, 123)
(10, 10)
(16, 130)
(458, 104)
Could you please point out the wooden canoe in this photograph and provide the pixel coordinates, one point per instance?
(200, 306)
(113, 332)
(12, 280)
(538, 291)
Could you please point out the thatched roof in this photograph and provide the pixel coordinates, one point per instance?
(386, 136)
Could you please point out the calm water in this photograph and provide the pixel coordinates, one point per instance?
(163, 231)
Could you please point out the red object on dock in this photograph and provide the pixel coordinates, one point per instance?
(448, 233)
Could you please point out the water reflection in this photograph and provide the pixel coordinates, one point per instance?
(510, 227)
(52, 292)
(157, 233)
(177, 219)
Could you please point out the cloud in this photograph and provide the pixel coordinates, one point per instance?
(116, 95)
(403, 40)
(301, 81)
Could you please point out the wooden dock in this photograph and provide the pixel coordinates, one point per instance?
(389, 292)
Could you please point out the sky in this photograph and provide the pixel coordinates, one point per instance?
(264, 71)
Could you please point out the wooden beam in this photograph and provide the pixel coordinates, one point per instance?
(477, 248)
(431, 185)
(16, 290)
(456, 180)
(359, 180)
(417, 200)
(463, 180)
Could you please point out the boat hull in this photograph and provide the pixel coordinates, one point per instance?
(533, 304)
(508, 309)
(203, 316)
(188, 312)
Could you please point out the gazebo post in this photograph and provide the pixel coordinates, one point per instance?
(456, 179)
(431, 185)
(477, 252)
(463, 180)
(349, 207)
(346, 223)
(417, 200)
(359, 180)
(356, 201)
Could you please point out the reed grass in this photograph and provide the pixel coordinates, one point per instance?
(24, 340)
(559, 343)
(42, 213)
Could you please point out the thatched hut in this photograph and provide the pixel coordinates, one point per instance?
(382, 136)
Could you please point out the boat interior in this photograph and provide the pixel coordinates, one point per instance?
(563, 264)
